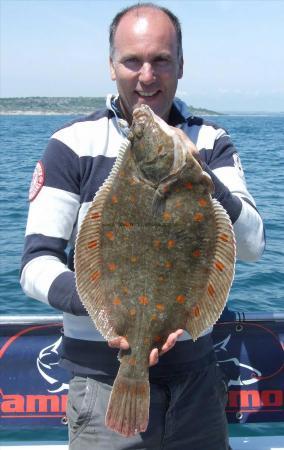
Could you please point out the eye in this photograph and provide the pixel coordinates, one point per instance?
(162, 61)
(132, 63)
(138, 130)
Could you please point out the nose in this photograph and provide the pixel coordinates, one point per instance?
(147, 74)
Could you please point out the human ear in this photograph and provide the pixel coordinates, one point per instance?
(112, 69)
(180, 70)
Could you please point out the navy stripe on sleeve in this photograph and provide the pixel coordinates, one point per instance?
(222, 153)
(61, 167)
(39, 245)
(93, 172)
(230, 202)
(63, 295)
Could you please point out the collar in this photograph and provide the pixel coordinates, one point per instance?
(179, 112)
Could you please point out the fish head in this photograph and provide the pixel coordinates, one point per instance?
(152, 144)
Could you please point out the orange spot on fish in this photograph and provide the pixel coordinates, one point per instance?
(116, 301)
(198, 217)
(160, 306)
(196, 253)
(224, 237)
(143, 300)
(161, 278)
(211, 290)
(180, 299)
(92, 244)
(168, 265)
(220, 266)
(110, 235)
(166, 216)
(157, 243)
(154, 317)
(95, 275)
(195, 311)
(114, 199)
(171, 243)
(146, 340)
(157, 339)
(188, 185)
(132, 312)
(178, 204)
(202, 202)
(112, 267)
(128, 225)
(177, 189)
(95, 215)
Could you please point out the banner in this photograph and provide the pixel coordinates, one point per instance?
(33, 388)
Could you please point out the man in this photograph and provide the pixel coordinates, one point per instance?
(188, 391)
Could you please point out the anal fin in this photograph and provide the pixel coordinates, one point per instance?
(208, 309)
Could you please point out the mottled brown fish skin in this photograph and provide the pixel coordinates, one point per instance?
(149, 274)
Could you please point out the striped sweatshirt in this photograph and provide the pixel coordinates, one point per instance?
(77, 160)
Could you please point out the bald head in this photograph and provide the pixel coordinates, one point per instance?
(138, 10)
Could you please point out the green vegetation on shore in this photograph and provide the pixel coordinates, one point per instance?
(64, 105)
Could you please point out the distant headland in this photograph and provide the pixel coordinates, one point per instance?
(65, 105)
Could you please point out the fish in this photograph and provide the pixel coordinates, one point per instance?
(155, 253)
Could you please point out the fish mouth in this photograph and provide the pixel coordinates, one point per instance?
(142, 113)
(142, 120)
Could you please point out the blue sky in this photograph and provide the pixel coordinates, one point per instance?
(234, 50)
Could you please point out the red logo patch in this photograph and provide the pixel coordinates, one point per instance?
(37, 181)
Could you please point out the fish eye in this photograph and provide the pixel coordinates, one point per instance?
(138, 129)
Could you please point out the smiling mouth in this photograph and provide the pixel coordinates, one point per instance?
(147, 94)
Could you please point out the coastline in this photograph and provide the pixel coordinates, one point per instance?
(82, 106)
(66, 106)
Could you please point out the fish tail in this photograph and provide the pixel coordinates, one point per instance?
(128, 408)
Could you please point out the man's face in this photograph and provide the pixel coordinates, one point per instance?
(145, 63)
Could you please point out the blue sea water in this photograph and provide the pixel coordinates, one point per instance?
(259, 140)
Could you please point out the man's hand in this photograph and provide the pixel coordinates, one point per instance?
(121, 343)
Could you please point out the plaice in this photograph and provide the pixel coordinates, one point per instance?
(155, 253)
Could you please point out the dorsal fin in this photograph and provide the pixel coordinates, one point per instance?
(209, 308)
(88, 254)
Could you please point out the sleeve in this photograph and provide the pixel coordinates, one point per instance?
(225, 168)
(54, 205)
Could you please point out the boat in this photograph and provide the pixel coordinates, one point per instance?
(33, 387)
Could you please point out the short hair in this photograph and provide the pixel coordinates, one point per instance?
(116, 20)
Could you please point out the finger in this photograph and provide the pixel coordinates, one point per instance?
(119, 342)
(154, 357)
(171, 341)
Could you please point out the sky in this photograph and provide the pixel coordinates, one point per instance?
(233, 50)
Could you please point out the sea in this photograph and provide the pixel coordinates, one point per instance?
(259, 139)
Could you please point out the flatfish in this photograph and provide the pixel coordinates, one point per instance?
(154, 253)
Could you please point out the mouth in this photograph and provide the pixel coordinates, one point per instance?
(147, 95)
